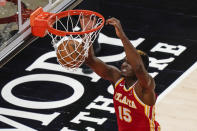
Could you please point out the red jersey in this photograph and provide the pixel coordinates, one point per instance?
(132, 114)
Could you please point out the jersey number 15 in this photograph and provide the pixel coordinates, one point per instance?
(124, 114)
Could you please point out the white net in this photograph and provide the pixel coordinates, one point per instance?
(72, 49)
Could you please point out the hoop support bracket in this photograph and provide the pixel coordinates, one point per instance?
(39, 22)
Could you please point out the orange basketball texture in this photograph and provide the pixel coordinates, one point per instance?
(70, 53)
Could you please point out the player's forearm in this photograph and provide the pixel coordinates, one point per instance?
(136, 62)
(90, 59)
(131, 53)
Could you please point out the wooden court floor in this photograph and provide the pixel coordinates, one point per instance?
(176, 107)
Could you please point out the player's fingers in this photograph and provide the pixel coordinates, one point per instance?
(109, 21)
(112, 21)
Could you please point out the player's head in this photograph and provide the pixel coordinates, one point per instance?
(126, 68)
(145, 58)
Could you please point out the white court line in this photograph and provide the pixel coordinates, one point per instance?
(174, 84)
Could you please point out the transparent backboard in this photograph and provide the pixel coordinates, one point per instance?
(15, 31)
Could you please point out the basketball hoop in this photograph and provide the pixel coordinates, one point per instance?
(66, 26)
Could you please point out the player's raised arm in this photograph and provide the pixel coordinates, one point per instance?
(107, 72)
(133, 57)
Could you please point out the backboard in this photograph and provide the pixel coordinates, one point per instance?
(15, 31)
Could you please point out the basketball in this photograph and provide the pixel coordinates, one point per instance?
(70, 53)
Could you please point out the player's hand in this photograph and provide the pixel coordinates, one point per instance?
(87, 22)
(117, 25)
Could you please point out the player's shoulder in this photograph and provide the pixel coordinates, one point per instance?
(149, 84)
(119, 82)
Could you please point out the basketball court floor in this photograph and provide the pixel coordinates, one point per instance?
(37, 94)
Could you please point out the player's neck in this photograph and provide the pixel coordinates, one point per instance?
(129, 81)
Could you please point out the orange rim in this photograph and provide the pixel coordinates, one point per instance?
(60, 15)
